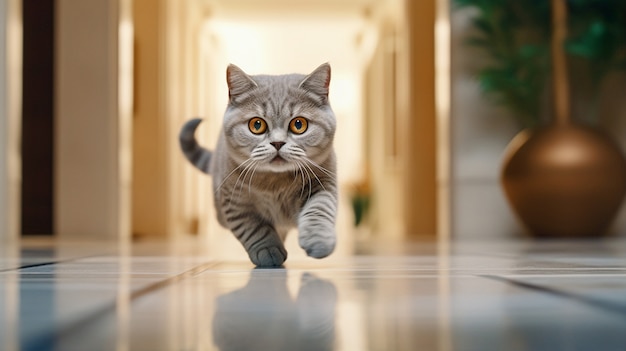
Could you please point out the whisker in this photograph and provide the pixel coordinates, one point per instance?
(249, 171)
(302, 175)
(243, 174)
(308, 175)
(326, 171)
(310, 184)
(251, 176)
(315, 175)
(231, 173)
(295, 175)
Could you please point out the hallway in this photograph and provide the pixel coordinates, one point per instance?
(522, 295)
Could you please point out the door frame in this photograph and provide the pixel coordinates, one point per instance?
(10, 117)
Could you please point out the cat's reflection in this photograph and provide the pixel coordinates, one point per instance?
(263, 315)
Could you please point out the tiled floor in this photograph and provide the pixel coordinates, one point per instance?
(462, 296)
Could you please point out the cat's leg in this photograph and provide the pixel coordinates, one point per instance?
(259, 237)
(316, 225)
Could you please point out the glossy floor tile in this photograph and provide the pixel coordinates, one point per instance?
(508, 295)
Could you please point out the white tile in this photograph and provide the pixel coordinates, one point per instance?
(501, 295)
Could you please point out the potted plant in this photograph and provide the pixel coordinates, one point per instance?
(561, 178)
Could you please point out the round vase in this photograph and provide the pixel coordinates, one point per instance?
(564, 181)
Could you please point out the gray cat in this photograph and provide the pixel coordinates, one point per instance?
(274, 166)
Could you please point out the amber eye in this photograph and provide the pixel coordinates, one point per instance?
(257, 125)
(298, 125)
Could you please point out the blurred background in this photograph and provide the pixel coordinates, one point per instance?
(93, 93)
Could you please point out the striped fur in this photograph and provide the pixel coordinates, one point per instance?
(196, 154)
(257, 196)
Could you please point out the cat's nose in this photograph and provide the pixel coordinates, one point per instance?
(277, 144)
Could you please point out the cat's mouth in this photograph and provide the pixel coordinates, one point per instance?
(278, 160)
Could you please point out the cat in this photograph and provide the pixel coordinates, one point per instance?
(274, 166)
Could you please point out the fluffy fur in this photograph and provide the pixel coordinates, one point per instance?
(268, 175)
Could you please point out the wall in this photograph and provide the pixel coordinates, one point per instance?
(480, 132)
(421, 183)
(149, 192)
(10, 112)
(385, 111)
(91, 181)
(613, 121)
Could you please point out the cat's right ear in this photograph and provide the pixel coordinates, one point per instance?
(238, 82)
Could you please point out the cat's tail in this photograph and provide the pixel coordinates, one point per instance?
(196, 154)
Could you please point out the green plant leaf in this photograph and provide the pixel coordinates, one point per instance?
(595, 42)
(479, 42)
(515, 35)
(483, 25)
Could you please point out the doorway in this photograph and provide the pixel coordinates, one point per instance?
(182, 50)
(365, 44)
(37, 192)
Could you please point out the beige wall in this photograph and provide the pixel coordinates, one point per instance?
(421, 184)
(385, 112)
(149, 211)
(10, 117)
(481, 132)
(90, 182)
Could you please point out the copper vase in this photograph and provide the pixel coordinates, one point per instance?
(564, 181)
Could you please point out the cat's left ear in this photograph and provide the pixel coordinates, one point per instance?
(318, 81)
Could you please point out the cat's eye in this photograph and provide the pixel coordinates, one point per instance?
(298, 125)
(257, 125)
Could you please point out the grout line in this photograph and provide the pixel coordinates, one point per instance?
(41, 264)
(608, 306)
(171, 280)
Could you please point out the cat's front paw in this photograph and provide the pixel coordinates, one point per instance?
(271, 256)
(318, 246)
(316, 225)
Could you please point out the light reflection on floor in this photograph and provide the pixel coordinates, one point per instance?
(476, 296)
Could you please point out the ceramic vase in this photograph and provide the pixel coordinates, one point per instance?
(564, 180)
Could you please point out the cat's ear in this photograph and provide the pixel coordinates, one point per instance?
(318, 81)
(238, 81)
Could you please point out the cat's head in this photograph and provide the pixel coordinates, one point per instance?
(281, 122)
